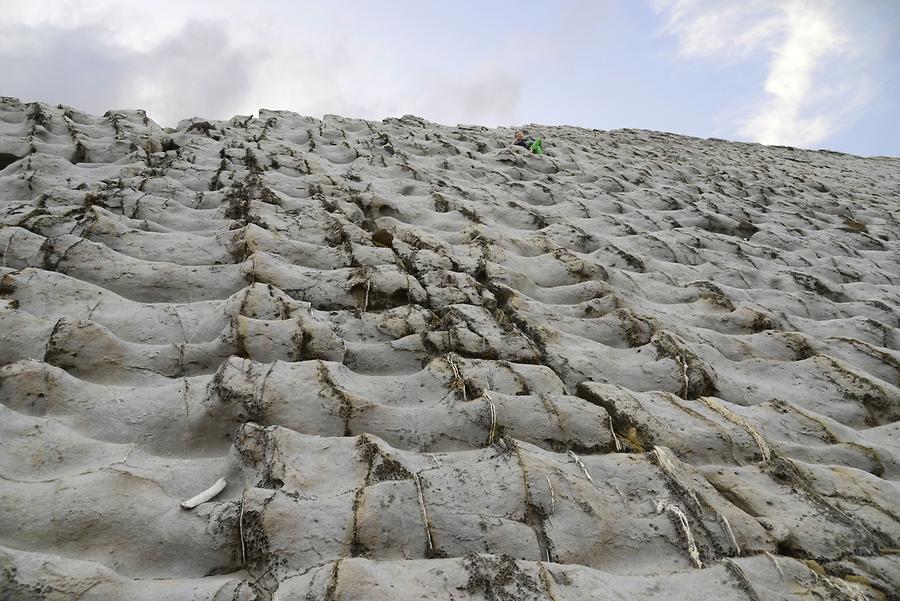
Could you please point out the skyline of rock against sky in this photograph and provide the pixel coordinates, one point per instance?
(807, 73)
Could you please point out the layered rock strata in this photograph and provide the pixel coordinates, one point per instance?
(430, 365)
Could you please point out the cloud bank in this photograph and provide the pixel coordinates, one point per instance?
(175, 60)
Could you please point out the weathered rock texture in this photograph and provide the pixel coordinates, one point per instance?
(430, 365)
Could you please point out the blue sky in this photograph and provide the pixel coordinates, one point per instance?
(807, 73)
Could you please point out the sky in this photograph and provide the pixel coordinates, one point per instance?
(804, 73)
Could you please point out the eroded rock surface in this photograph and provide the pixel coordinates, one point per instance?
(431, 365)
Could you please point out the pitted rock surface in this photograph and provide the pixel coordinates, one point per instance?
(431, 365)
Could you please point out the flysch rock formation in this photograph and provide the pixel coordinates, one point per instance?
(431, 365)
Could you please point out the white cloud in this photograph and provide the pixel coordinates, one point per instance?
(196, 70)
(179, 58)
(812, 37)
(815, 84)
(727, 31)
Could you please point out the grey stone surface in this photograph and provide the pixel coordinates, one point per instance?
(430, 365)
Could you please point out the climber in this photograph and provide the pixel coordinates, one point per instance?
(532, 144)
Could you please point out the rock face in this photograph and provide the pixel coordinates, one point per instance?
(430, 365)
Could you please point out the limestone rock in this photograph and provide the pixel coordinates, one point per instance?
(433, 366)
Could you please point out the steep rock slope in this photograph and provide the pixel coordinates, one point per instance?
(430, 365)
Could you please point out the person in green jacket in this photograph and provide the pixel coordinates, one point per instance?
(532, 144)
